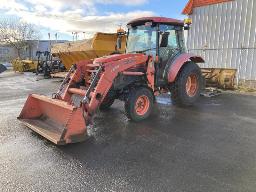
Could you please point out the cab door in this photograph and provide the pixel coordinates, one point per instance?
(170, 45)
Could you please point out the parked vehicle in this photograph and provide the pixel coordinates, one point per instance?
(2, 68)
(155, 62)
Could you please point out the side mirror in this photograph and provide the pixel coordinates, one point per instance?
(164, 38)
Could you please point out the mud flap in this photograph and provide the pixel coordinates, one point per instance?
(56, 120)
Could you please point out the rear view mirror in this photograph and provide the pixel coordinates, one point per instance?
(164, 38)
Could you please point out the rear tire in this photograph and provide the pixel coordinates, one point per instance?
(139, 104)
(187, 86)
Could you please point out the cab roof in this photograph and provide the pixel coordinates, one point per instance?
(163, 20)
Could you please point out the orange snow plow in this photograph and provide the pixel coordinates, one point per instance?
(100, 45)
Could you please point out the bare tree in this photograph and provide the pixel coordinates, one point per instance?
(17, 34)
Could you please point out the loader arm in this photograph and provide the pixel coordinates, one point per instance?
(110, 71)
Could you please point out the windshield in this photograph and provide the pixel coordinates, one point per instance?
(141, 39)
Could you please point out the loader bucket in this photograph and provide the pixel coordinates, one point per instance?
(56, 120)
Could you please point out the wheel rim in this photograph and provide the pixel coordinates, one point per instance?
(191, 85)
(142, 105)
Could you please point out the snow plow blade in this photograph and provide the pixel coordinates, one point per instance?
(56, 120)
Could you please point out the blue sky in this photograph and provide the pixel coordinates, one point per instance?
(168, 8)
(86, 16)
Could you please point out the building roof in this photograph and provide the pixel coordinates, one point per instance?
(157, 20)
(188, 10)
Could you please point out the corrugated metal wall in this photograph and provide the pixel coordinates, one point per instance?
(225, 36)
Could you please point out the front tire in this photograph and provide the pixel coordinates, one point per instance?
(139, 104)
(187, 86)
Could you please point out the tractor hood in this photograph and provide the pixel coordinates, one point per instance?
(117, 57)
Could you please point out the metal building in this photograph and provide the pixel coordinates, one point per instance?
(8, 53)
(224, 33)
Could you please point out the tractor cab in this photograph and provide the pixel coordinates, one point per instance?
(162, 38)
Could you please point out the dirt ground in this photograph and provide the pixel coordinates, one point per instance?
(208, 147)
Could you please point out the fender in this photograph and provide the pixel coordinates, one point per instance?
(178, 62)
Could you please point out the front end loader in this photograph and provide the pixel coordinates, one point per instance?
(155, 62)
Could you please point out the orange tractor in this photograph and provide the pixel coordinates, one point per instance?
(155, 62)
